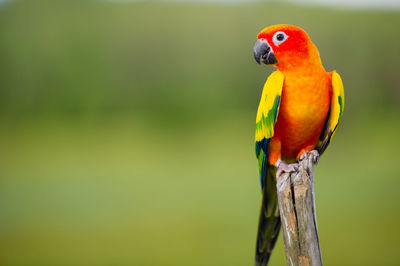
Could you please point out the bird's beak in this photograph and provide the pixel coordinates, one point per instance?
(263, 52)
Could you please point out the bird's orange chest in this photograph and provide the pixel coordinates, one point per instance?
(304, 106)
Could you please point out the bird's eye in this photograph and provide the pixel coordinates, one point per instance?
(279, 37)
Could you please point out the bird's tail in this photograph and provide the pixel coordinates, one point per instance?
(269, 222)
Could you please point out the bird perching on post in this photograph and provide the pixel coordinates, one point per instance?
(300, 108)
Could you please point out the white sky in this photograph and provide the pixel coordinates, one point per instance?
(380, 4)
(353, 3)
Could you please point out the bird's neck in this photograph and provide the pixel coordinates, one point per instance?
(298, 63)
(303, 67)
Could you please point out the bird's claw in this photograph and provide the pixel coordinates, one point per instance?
(314, 155)
(286, 168)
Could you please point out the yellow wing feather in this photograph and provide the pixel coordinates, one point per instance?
(335, 113)
(269, 106)
(337, 101)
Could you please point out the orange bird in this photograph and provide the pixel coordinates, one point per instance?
(301, 106)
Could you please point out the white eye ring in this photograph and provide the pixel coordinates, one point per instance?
(279, 37)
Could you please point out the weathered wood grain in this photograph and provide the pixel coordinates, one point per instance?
(298, 215)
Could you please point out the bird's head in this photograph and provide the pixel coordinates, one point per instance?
(285, 46)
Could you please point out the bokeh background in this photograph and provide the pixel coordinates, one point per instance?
(126, 132)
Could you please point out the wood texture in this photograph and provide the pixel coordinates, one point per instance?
(298, 215)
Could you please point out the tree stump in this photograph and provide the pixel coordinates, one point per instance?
(298, 216)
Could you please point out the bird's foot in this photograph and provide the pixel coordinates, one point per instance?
(314, 155)
(286, 168)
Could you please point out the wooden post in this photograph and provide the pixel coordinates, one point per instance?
(298, 216)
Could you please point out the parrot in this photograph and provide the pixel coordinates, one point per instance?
(300, 108)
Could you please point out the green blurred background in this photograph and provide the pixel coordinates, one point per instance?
(126, 132)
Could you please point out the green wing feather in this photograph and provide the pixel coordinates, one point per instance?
(267, 114)
(335, 113)
(269, 221)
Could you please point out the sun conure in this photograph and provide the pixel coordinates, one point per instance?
(300, 108)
